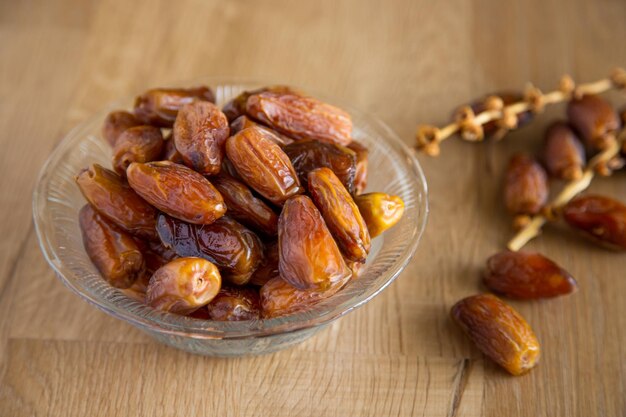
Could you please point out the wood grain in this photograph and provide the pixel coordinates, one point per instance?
(408, 62)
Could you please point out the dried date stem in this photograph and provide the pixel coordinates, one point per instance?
(571, 189)
(470, 125)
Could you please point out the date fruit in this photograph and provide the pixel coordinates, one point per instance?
(360, 176)
(527, 275)
(263, 165)
(499, 331)
(308, 255)
(508, 97)
(183, 285)
(564, 154)
(200, 132)
(279, 298)
(525, 186)
(177, 190)
(170, 153)
(598, 217)
(595, 119)
(243, 122)
(300, 117)
(311, 154)
(236, 250)
(111, 196)
(380, 211)
(340, 213)
(114, 252)
(159, 106)
(137, 144)
(244, 207)
(116, 123)
(235, 304)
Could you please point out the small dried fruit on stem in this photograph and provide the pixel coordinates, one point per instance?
(499, 331)
(564, 154)
(183, 285)
(525, 186)
(595, 119)
(527, 275)
(601, 218)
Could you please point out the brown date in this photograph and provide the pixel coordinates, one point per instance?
(380, 211)
(340, 213)
(598, 217)
(527, 275)
(263, 165)
(111, 196)
(360, 175)
(308, 255)
(243, 122)
(200, 132)
(183, 285)
(114, 252)
(177, 190)
(237, 106)
(137, 144)
(508, 97)
(116, 123)
(170, 153)
(300, 117)
(159, 106)
(244, 207)
(279, 298)
(236, 250)
(235, 304)
(595, 120)
(564, 154)
(268, 269)
(311, 154)
(525, 186)
(499, 331)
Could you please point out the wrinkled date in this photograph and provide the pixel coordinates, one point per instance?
(340, 213)
(114, 253)
(137, 144)
(263, 165)
(595, 119)
(116, 123)
(380, 211)
(508, 97)
(527, 275)
(279, 298)
(308, 255)
(114, 199)
(564, 154)
(200, 132)
(360, 175)
(601, 218)
(177, 190)
(235, 304)
(233, 248)
(244, 207)
(300, 117)
(311, 154)
(243, 122)
(268, 269)
(183, 285)
(498, 331)
(525, 186)
(160, 106)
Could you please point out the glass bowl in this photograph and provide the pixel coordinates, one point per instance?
(392, 169)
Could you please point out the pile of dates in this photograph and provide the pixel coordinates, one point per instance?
(496, 328)
(252, 211)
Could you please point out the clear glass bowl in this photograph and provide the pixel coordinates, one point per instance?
(392, 169)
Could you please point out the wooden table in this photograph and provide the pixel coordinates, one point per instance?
(405, 61)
